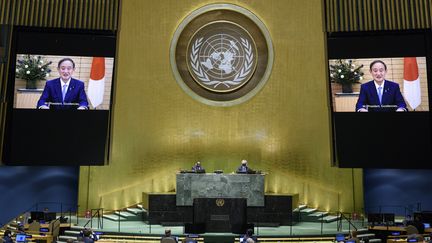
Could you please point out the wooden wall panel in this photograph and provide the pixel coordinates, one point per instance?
(371, 15)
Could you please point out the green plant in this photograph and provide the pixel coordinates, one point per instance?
(32, 68)
(345, 72)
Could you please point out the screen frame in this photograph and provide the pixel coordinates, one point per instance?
(373, 44)
(48, 41)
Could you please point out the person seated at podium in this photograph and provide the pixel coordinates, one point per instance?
(64, 92)
(380, 94)
(168, 238)
(198, 168)
(244, 168)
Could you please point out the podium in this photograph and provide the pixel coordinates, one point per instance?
(190, 186)
(220, 214)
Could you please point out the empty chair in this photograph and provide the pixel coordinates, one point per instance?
(411, 230)
(34, 226)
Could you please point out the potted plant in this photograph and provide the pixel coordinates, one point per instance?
(346, 73)
(31, 69)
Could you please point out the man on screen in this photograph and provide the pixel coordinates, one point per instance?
(64, 92)
(380, 94)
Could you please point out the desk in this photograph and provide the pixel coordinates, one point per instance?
(190, 186)
(28, 98)
(346, 102)
(45, 238)
(62, 225)
(394, 228)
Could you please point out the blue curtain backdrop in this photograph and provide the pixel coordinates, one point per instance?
(397, 191)
(31, 188)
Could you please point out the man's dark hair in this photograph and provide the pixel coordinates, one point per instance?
(64, 60)
(87, 233)
(7, 233)
(249, 232)
(377, 61)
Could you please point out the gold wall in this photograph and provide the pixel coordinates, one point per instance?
(158, 129)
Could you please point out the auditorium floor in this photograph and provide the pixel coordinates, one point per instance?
(300, 229)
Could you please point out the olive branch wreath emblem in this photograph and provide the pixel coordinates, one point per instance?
(204, 78)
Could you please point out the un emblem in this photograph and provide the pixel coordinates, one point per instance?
(222, 57)
(220, 202)
(221, 54)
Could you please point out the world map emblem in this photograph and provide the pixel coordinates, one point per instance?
(221, 54)
(222, 57)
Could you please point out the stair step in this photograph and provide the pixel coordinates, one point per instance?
(124, 214)
(77, 228)
(303, 206)
(135, 210)
(308, 210)
(368, 235)
(319, 214)
(71, 232)
(374, 240)
(114, 217)
(65, 237)
(331, 218)
(362, 230)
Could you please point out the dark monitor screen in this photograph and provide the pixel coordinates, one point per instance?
(37, 215)
(50, 216)
(375, 218)
(389, 218)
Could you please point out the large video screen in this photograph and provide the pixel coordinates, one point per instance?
(39, 80)
(379, 90)
(59, 97)
(355, 84)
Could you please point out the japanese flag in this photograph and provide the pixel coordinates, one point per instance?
(96, 85)
(411, 88)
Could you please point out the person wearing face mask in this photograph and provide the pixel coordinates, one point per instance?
(244, 168)
(380, 94)
(198, 168)
(7, 237)
(64, 92)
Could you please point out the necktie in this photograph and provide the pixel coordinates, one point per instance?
(380, 94)
(64, 91)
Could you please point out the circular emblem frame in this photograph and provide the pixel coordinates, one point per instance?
(221, 54)
(220, 202)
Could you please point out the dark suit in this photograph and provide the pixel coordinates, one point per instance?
(7, 239)
(53, 93)
(197, 168)
(243, 169)
(391, 95)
